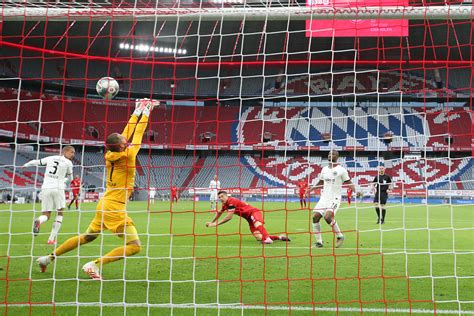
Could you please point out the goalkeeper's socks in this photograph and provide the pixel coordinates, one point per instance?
(70, 244)
(384, 211)
(273, 237)
(118, 254)
(42, 219)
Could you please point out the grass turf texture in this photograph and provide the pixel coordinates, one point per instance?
(248, 272)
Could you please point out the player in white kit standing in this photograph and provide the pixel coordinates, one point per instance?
(152, 195)
(58, 171)
(331, 179)
(214, 186)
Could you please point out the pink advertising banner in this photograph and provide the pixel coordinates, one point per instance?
(356, 28)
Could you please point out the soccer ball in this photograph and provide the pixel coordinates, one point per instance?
(107, 87)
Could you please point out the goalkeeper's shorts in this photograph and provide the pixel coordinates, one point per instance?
(111, 215)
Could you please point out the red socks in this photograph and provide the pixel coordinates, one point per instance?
(263, 231)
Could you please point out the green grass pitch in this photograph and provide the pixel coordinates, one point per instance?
(422, 258)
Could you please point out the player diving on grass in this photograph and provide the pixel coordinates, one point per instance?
(58, 172)
(251, 214)
(331, 179)
(111, 214)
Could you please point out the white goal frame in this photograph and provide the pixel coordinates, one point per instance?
(295, 13)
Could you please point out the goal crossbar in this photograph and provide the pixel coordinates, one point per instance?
(455, 12)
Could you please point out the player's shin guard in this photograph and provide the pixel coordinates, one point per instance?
(118, 254)
(383, 214)
(317, 232)
(70, 244)
(336, 229)
(377, 210)
(56, 227)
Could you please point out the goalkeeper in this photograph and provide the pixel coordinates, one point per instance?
(111, 213)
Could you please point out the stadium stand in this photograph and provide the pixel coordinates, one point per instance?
(362, 127)
(249, 171)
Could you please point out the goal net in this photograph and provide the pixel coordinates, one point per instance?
(254, 95)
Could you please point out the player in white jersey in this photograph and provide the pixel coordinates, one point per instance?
(331, 179)
(152, 195)
(58, 172)
(214, 186)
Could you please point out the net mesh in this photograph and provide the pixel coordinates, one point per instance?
(255, 95)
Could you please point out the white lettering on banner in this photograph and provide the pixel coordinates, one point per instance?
(6, 133)
(198, 147)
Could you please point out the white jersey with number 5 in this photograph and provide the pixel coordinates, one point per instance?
(333, 179)
(58, 169)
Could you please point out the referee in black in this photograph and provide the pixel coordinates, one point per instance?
(382, 184)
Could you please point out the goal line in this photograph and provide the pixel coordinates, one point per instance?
(238, 306)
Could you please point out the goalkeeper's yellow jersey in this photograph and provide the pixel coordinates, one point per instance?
(121, 166)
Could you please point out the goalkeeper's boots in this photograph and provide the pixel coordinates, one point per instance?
(339, 241)
(92, 270)
(43, 262)
(284, 238)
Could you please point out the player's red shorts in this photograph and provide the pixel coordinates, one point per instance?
(174, 196)
(75, 193)
(302, 195)
(254, 217)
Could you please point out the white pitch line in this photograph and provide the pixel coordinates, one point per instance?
(258, 307)
(270, 247)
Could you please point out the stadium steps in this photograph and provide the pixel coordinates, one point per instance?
(197, 166)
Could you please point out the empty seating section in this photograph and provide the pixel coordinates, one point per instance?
(250, 83)
(53, 119)
(162, 170)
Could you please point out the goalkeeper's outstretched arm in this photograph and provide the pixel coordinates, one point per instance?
(148, 106)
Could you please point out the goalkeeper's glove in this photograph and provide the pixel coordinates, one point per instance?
(150, 104)
(139, 106)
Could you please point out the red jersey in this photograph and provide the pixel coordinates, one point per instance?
(349, 193)
(174, 191)
(240, 208)
(76, 185)
(303, 186)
